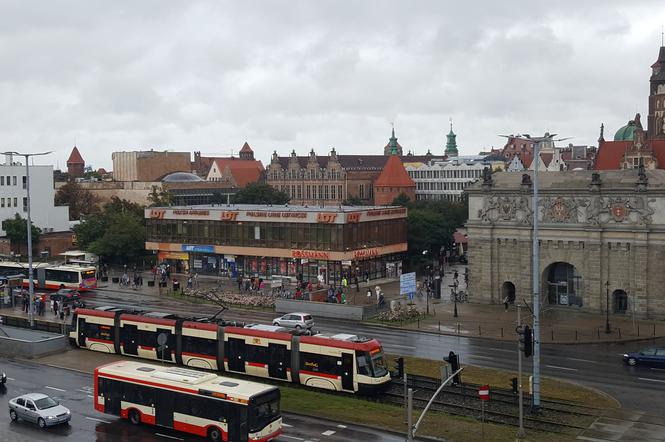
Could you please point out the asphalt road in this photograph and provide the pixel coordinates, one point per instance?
(594, 365)
(75, 390)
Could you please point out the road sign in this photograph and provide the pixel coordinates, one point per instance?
(407, 283)
(484, 393)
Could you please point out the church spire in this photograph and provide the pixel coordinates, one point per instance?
(451, 143)
(392, 143)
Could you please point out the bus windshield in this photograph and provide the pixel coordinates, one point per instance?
(263, 410)
(87, 274)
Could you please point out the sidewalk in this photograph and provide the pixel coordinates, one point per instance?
(566, 325)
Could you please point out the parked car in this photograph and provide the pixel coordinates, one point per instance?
(295, 320)
(654, 357)
(40, 409)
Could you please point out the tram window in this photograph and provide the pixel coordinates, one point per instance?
(257, 354)
(147, 338)
(363, 362)
(318, 363)
(202, 346)
(99, 331)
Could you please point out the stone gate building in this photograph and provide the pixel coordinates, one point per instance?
(602, 235)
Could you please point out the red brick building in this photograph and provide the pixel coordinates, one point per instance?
(393, 182)
(75, 164)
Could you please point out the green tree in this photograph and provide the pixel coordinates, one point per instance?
(81, 202)
(401, 200)
(123, 240)
(117, 205)
(217, 198)
(353, 201)
(16, 230)
(260, 193)
(89, 230)
(159, 197)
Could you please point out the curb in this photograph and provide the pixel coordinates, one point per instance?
(390, 327)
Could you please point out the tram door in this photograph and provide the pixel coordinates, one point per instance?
(237, 353)
(81, 330)
(347, 371)
(277, 361)
(164, 340)
(128, 336)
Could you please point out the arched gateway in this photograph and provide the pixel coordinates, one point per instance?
(563, 285)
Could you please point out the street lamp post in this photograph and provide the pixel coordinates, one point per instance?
(31, 282)
(608, 330)
(454, 290)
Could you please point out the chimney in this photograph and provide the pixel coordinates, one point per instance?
(9, 159)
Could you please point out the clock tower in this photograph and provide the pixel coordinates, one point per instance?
(656, 118)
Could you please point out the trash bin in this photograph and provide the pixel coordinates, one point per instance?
(394, 305)
(151, 283)
(105, 279)
(115, 279)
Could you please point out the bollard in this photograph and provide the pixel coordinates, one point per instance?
(576, 334)
(552, 335)
(638, 330)
(439, 326)
(418, 321)
(619, 330)
(458, 329)
(502, 332)
(598, 331)
(480, 332)
(654, 329)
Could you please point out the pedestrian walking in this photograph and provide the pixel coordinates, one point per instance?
(189, 282)
(55, 307)
(196, 280)
(369, 296)
(505, 303)
(357, 283)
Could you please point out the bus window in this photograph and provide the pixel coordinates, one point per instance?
(263, 410)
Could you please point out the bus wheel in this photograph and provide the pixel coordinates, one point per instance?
(134, 417)
(215, 434)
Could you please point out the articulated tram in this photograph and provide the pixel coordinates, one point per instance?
(340, 362)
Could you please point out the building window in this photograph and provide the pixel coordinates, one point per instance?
(332, 192)
(299, 192)
(309, 191)
(15, 202)
(320, 192)
(326, 189)
(25, 204)
(339, 191)
(2, 180)
(361, 191)
(9, 180)
(14, 180)
(2, 202)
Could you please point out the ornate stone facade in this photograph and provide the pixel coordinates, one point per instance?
(599, 233)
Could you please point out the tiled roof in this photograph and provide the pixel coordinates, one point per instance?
(610, 154)
(356, 162)
(246, 148)
(75, 157)
(245, 176)
(394, 174)
(547, 158)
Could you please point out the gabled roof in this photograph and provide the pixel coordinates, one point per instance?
(75, 157)
(242, 171)
(245, 176)
(610, 154)
(237, 163)
(356, 162)
(246, 148)
(394, 175)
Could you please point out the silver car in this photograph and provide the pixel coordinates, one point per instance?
(39, 409)
(298, 321)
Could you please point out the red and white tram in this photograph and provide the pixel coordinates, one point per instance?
(338, 362)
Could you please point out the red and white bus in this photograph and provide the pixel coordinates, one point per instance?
(200, 403)
(49, 276)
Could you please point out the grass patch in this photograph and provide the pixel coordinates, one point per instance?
(550, 388)
(390, 417)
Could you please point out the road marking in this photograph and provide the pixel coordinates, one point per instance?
(590, 439)
(12, 379)
(97, 420)
(338, 426)
(401, 346)
(54, 388)
(655, 369)
(166, 435)
(475, 356)
(89, 395)
(285, 436)
(496, 349)
(328, 433)
(283, 424)
(561, 368)
(575, 359)
(651, 380)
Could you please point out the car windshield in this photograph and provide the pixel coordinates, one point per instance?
(307, 317)
(44, 403)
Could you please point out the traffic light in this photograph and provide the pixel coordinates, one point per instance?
(399, 367)
(526, 340)
(513, 381)
(453, 360)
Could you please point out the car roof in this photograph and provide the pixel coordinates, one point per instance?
(299, 313)
(33, 396)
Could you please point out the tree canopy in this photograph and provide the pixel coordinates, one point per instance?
(81, 202)
(17, 231)
(260, 193)
(159, 197)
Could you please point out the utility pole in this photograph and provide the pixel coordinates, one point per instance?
(535, 271)
(520, 431)
(31, 282)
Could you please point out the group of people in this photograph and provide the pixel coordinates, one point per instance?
(39, 306)
(380, 297)
(250, 284)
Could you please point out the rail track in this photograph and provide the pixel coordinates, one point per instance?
(555, 416)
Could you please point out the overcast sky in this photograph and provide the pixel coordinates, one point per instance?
(209, 75)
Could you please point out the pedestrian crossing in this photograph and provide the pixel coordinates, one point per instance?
(625, 426)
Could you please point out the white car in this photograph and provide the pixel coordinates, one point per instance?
(39, 409)
(299, 321)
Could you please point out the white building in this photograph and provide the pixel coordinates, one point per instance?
(13, 196)
(439, 180)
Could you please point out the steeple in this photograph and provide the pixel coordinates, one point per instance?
(393, 147)
(451, 143)
(656, 117)
(601, 137)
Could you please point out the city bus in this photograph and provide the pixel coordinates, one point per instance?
(195, 402)
(54, 277)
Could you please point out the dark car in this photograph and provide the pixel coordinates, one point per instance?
(66, 296)
(654, 357)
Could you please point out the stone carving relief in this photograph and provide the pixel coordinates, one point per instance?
(561, 210)
(506, 208)
(629, 210)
